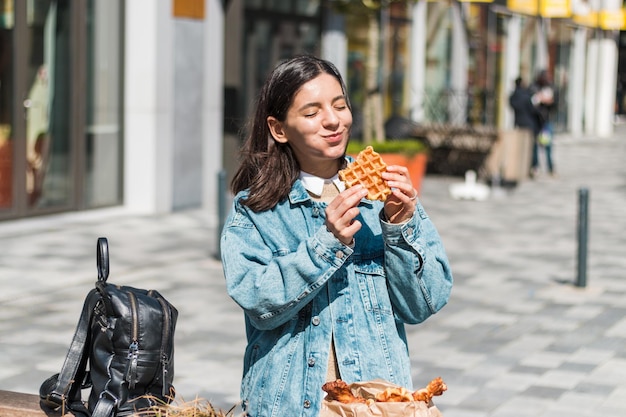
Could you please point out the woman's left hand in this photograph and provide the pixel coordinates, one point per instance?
(400, 205)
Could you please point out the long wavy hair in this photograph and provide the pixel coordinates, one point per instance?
(269, 168)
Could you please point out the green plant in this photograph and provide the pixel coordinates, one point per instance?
(408, 147)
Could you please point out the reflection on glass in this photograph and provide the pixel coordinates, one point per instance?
(307, 7)
(47, 104)
(7, 17)
(37, 134)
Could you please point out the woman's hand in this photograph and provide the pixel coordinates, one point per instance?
(400, 205)
(340, 214)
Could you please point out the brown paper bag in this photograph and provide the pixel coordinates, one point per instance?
(369, 390)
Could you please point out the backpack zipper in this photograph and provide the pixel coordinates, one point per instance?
(133, 348)
(165, 360)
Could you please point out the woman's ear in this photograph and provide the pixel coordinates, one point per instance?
(276, 129)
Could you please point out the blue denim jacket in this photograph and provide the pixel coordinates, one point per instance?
(298, 285)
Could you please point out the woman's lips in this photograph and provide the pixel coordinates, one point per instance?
(336, 137)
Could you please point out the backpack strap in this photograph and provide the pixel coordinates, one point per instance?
(106, 405)
(63, 389)
(102, 258)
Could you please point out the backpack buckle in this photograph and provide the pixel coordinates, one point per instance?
(106, 394)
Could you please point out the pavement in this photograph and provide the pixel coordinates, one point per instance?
(528, 331)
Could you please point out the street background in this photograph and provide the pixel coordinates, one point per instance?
(518, 337)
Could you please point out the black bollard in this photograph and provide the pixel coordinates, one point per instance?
(583, 231)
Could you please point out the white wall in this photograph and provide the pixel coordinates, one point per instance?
(148, 106)
(417, 67)
(576, 97)
(189, 75)
(149, 103)
(213, 140)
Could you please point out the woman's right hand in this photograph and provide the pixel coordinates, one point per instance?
(341, 212)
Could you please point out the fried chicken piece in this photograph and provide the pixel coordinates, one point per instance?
(340, 391)
(434, 387)
(394, 395)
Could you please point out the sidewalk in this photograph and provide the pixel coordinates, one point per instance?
(517, 339)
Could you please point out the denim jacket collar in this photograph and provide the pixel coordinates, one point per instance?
(298, 193)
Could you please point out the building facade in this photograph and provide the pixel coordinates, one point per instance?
(141, 104)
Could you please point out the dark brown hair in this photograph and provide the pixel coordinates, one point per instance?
(269, 168)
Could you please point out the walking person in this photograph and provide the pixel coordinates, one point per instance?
(543, 98)
(326, 278)
(526, 116)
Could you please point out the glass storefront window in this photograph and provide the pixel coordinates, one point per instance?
(279, 5)
(60, 105)
(103, 130)
(272, 36)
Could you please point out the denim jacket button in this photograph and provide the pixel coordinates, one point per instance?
(316, 321)
(307, 404)
(311, 362)
(339, 254)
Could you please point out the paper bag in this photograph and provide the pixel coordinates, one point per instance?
(369, 390)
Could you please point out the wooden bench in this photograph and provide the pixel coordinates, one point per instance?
(17, 404)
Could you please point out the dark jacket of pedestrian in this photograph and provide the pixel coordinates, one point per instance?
(525, 112)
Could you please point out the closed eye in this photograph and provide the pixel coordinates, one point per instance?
(340, 103)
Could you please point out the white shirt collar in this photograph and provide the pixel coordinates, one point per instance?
(315, 185)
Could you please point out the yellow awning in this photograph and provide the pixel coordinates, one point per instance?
(530, 7)
(545, 8)
(606, 20)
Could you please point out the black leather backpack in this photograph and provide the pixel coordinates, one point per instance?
(123, 350)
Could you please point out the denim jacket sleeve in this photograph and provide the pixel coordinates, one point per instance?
(269, 275)
(417, 268)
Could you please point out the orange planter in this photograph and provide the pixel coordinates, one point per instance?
(6, 174)
(416, 165)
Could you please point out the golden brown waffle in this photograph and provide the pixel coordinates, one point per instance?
(366, 170)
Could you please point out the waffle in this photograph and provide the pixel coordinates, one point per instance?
(366, 170)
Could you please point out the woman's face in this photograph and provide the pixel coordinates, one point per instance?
(317, 126)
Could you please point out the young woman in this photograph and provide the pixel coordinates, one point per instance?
(326, 278)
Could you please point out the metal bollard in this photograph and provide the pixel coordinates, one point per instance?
(583, 232)
(221, 207)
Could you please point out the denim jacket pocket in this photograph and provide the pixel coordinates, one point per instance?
(372, 284)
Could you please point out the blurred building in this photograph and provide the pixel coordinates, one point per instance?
(140, 104)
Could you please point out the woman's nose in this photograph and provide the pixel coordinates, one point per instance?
(330, 118)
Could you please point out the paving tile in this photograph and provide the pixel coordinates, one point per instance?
(538, 391)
